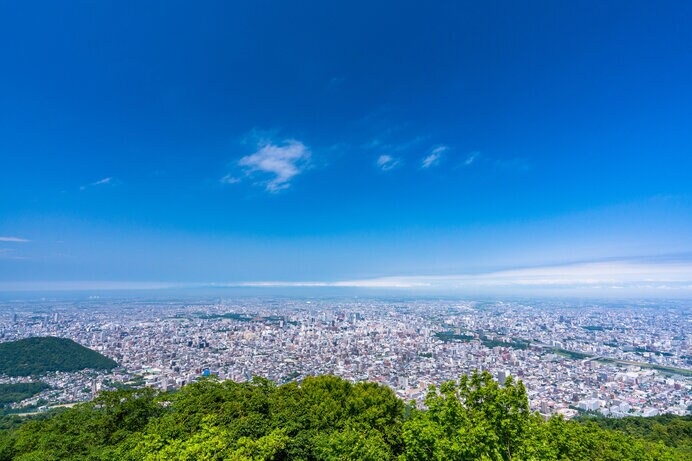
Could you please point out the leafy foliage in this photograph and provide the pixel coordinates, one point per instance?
(673, 431)
(17, 392)
(323, 418)
(475, 418)
(32, 356)
(449, 336)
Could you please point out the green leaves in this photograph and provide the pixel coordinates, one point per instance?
(470, 419)
(327, 418)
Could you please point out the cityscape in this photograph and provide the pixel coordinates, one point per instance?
(346, 231)
(616, 359)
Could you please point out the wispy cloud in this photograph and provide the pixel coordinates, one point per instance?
(599, 277)
(650, 277)
(230, 179)
(100, 182)
(430, 160)
(434, 157)
(387, 162)
(281, 161)
(14, 240)
(584, 275)
(471, 158)
(103, 181)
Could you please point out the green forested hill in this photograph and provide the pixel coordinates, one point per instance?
(323, 418)
(674, 431)
(19, 391)
(32, 356)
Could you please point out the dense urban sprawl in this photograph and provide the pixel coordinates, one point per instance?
(616, 359)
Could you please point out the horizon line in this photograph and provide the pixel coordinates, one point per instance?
(605, 276)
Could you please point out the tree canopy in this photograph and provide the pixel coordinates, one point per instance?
(322, 418)
(33, 356)
(16, 392)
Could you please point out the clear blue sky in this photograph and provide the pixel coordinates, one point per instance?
(331, 141)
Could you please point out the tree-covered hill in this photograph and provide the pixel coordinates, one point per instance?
(17, 392)
(674, 431)
(33, 356)
(323, 418)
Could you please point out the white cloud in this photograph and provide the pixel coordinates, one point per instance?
(430, 160)
(14, 240)
(595, 277)
(387, 162)
(612, 278)
(281, 161)
(434, 157)
(230, 179)
(472, 157)
(595, 274)
(100, 182)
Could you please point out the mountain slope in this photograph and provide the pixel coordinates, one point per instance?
(32, 356)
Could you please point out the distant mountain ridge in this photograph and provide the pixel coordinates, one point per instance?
(33, 356)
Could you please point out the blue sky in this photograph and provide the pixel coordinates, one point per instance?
(242, 142)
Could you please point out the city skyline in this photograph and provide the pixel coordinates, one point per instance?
(536, 149)
(620, 359)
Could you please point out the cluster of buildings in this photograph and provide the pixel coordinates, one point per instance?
(618, 360)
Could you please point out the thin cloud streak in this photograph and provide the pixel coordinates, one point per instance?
(14, 240)
(657, 278)
(230, 179)
(100, 182)
(602, 275)
(387, 162)
(473, 156)
(434, 157)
